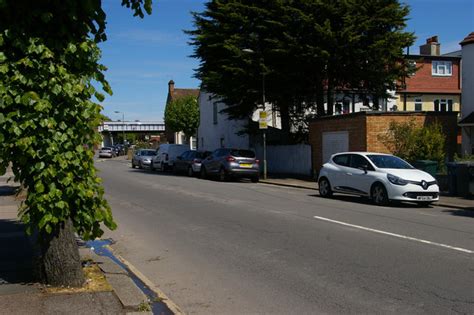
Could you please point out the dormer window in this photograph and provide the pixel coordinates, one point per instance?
(441, 68)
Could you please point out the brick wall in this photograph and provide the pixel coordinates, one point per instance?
(365, 130)
(424, 81)
(353, 123)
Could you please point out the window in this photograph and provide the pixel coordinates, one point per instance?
(358, 161)
(436, 105)
(418, 104)
(346, 106)
(441, 68)
(443, 105)
(389, 161)
(342, 159)
(214, 113)
(243, 153)
(338, 109)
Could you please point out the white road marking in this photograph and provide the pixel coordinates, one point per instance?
(396, 235)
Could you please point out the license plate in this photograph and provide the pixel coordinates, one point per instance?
(424, 198)
(246, 165)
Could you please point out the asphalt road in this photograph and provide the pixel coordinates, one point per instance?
(241, 248)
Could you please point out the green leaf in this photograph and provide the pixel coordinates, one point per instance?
(39, 187)
(56, 89)
(45, 219)
(39, 166)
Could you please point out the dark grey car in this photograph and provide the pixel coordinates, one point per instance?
(225, 163)
(190, 162)
(142, 158)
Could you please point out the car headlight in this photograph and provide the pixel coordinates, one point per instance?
(146, 160)
(396, 180)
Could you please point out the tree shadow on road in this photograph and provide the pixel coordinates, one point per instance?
(466, 212)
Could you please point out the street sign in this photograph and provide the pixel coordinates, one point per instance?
(262, 122)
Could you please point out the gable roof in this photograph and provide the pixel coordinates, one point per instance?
(178, 93)
(467, 121)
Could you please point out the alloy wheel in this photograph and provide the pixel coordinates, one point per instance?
(379, 195)
(324, 188)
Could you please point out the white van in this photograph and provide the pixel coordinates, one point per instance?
(166, 155)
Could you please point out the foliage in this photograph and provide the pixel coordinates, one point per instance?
(464, 158)
(48, 62)
(182, 114)
(412, 143)
(304, 50)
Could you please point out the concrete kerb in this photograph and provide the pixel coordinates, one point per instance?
(124, 288)
(165, 299)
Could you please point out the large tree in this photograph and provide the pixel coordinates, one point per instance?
(305, 50)
(182, 114)
(49, 59)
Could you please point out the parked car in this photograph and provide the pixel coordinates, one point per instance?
(225, 163)
(381, 177)
(107, 152)
(190, 162)
(166, 156)
(119, 149)
(143, 158)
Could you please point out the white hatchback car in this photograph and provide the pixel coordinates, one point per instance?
(381, 177)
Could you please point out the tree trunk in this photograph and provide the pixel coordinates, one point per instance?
(60, 260)
(375, 102)
(330, 98)
(285, 121)
(320, 100)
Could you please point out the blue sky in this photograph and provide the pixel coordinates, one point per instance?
(142, 55)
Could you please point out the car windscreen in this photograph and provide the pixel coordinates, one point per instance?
(388, 161)
(148, 152)
(242, 153)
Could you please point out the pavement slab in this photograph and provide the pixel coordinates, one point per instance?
(77, 304)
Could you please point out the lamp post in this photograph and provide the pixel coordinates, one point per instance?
(264, 130)
(123, 125)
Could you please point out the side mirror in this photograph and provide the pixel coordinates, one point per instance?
(364, 168)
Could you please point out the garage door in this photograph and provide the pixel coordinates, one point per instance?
(334, 142)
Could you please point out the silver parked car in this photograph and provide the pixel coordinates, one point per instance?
(381, 177)
(225, 163)
(143, 158)
(107, 152)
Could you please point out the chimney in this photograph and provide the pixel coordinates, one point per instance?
(431, 48)
(171, 87)
(468, 40)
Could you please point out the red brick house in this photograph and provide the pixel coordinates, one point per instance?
(436, 86)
